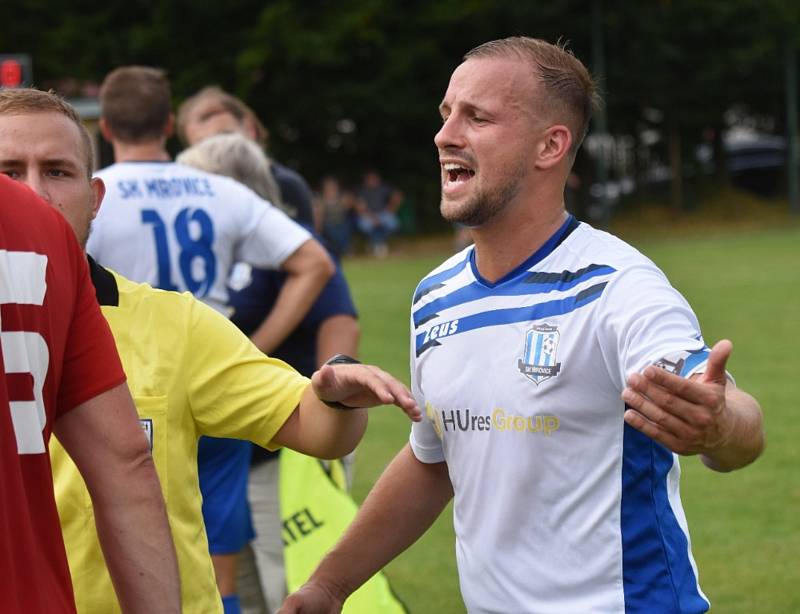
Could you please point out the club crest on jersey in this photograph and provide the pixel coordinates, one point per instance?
(538, 361)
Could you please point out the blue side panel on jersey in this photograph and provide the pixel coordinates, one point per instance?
(521, 287)
(528, 313)
(694, 359)
(435, 281)
(656, 571)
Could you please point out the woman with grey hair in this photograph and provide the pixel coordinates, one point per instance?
(236, 156)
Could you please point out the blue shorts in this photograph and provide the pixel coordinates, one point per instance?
(223, 466)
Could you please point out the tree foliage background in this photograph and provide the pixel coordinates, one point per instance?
(352, 84)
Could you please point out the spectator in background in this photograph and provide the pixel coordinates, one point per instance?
(235, 156)
(334, 209)
(211, 111)
(329, 328)
(180, 228)
(376, 208)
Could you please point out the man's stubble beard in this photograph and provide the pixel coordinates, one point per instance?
(83, 240)
(485, 205)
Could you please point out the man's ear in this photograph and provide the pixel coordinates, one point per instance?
(250, 128)
(105, 130)
(169, 127)
(99, 191)
(553, 147)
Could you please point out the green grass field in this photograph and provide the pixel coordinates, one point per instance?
(745, 525)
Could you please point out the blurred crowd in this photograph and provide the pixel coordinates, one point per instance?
(370, 208)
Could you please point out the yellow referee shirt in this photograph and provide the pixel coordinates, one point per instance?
(191, 373)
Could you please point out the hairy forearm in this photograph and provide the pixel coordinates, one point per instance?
(745, 441)
(106, 441)
(137, 544)
(402, 505)
(294, 300)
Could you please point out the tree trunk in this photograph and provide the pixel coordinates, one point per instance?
(721, 173)
(676, 165)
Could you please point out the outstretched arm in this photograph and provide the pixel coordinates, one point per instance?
(402, 505)
(308, 270)
(704, 415)
(317, 429)
(104, 438)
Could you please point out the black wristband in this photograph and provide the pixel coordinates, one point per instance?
(340, 359)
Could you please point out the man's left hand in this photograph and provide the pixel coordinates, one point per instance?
(688, 416)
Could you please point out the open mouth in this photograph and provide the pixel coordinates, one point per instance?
(457, 173)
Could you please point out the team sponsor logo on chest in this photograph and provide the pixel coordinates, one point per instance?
(499, 420)
(538, 361)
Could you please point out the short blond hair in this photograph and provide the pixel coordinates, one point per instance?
(569, 88)
(21, 101)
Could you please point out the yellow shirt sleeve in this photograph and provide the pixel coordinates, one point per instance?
(235, 390)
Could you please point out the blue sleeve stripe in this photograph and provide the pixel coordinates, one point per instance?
(694, 359)
(567, 279)
(535, 283)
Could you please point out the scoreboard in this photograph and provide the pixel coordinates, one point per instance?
(16, 70)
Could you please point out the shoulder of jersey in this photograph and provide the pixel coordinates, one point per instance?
(449, 269)
(455, 261)
(589, 243)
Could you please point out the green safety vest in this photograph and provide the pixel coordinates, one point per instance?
(316, 510)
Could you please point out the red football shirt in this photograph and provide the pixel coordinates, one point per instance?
(57, 352)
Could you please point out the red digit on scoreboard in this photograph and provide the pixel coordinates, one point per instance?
(10, 73)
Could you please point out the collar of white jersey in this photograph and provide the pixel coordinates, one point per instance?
(556, 239)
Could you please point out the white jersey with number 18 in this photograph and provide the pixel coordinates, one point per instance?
(179, 228)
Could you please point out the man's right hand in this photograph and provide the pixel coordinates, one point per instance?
(311, 598)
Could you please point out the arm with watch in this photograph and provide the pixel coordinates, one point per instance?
(332, 414)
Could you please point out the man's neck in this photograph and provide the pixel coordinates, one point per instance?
(140, 152)
(503, 245)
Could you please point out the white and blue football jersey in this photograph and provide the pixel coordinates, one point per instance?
(180, 228)
(559, 506)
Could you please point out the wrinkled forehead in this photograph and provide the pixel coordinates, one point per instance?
(44, 134)
(205, 110)
(492, 81)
